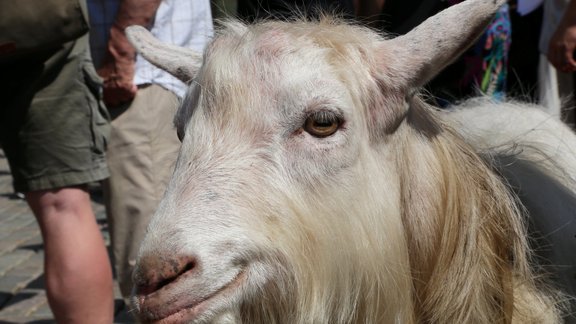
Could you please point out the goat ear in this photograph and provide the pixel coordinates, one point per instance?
(183, 63)
(426, 50)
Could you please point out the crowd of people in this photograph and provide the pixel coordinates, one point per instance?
(86, 108)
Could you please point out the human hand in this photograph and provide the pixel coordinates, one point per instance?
(117, 70)
(561, 48)
(118, 79)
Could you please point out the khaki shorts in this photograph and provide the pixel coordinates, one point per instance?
(53, 126)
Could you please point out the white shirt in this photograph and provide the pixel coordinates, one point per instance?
(186, 23)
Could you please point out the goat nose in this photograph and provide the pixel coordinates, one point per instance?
(154, 272)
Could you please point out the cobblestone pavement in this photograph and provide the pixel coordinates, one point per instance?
(22, 294)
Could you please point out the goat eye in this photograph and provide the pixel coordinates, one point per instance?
(322, 124)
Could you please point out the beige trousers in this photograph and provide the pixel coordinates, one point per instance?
(142, 150)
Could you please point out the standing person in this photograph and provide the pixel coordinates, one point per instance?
(142, 101)
(53, 130)
(557, 63)
(562, 43)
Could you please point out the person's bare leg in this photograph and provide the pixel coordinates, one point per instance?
(77, 268)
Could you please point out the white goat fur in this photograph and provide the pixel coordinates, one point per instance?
(393, 219)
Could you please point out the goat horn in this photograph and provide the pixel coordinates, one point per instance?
(439, 40)
(183, 63)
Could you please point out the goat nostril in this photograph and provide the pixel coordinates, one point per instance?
(154, 274)
(189, 266)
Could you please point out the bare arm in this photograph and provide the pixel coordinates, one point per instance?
(563, 42)
(118, 67)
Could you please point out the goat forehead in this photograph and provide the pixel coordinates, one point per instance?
(266, 71)
(273, 45)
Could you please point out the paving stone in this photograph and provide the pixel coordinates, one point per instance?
(12, 283)
(11, 208)
(117, 293)
(11, 242)
(43, 312)
(19, 277)
(33, 244)
(17, 320)
(13, 259)
(29, 231)
(33, 266)
(99, 212)
(19, 222)
(25, 304)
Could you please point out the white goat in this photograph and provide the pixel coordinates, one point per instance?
(314, 186)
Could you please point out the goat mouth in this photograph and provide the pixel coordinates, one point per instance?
(184, 311)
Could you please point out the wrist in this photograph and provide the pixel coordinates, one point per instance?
(118, 45)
